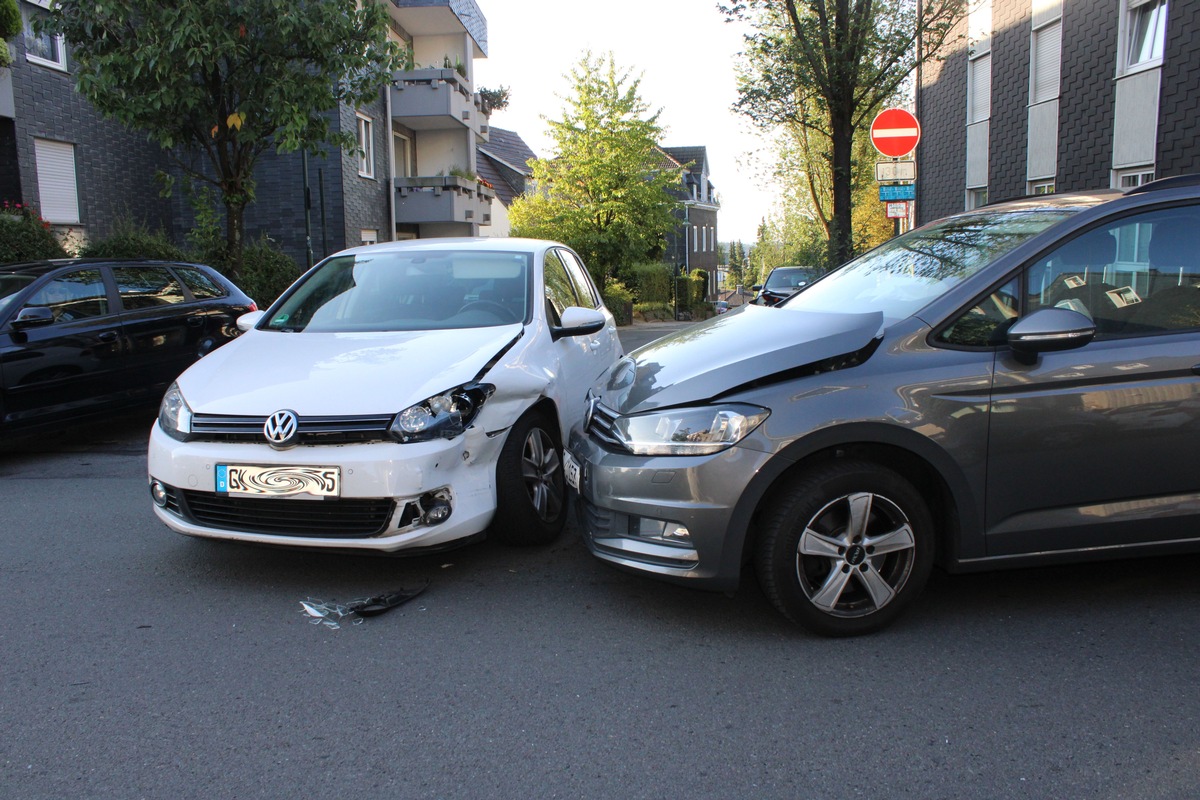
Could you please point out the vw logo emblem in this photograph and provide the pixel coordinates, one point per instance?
(281, 428)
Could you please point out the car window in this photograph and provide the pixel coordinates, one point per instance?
(984, 324)
(147, 287)
(420, 289)
(560, 294)
(200, 285)
(905, 274)
(584, 287)
(73, 296)
(11, 286)
(789, 278)
(1134, 276)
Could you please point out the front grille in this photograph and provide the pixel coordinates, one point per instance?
(312, 430)
(332, 517)
(601, 425)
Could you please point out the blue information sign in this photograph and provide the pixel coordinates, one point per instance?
(898, 191)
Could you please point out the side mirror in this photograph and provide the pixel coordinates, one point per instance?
(1050, 330)
(578, 321)
(33, 317)
(247, 321)
(756, 287)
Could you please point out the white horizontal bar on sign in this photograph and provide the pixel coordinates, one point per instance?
(891, 133)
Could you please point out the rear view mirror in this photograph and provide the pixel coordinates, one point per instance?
(247, 321)
(33, 317)
(578, 321)
(1050, 330)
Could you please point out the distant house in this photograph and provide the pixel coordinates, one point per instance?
(693, 244)
(504, 163)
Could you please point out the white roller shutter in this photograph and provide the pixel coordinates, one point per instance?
(1047, 60)
(979, 99)
(56, 181)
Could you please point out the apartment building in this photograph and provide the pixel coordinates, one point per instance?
(693, 244)
(1039, 96)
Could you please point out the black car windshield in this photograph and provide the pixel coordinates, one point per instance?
(408, 291)
(786, 279)
(903, 275)
(10, 286)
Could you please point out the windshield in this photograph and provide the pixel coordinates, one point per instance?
(409, 291)
(788, 278)
(905, 274)
(10, 286)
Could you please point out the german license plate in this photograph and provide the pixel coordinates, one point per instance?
(262, 481)
(572, 469)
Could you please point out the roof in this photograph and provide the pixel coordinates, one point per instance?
(504, 163)
(696, 156)
(508, 147)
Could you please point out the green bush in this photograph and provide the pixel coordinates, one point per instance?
(650, 283)
(25, 236)
(130, 239)
(266, 271)
(619, 300)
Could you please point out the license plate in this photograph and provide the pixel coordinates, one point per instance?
(261, 481)
(572, 469)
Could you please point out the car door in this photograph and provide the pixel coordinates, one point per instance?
(1092, 447)
(163, 326)
(68, 363)
(605, 343)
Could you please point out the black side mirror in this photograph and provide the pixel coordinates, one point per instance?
(33, 317)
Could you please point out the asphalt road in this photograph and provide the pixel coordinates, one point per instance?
(140, 663)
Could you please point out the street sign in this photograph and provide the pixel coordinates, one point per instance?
(897, 191)
(895, 132)
(897, 210)
(892, 171)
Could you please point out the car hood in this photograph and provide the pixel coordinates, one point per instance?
(705, 360)
(262, 372)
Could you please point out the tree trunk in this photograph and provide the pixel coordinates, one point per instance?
(841, 240)
(235, 234)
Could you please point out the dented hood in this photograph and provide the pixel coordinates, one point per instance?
(704, 360)
(262, 372)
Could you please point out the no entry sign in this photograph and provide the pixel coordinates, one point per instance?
(895, 132)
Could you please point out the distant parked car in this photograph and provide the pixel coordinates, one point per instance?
(400, 396)
(782, 283)
(80, 337)
(722, 306)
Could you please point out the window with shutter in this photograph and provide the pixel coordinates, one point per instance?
(56, 181)
(1047, 61)
(979, 99)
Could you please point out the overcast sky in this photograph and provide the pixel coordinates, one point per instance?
(684, 49)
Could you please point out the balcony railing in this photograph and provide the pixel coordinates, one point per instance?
(443, 199)
(436, 99)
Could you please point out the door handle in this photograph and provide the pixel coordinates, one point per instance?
(107, 336)
(1196, 369)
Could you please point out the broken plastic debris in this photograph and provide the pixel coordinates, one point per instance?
(334, 615)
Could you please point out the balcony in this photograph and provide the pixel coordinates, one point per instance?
(443, 199)
(436, 99)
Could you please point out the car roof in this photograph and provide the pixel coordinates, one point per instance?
(482, 243)
(49, 265)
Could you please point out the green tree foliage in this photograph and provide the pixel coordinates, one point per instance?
(10, 26)
(605, 190)
(826, 67)
(217, 83)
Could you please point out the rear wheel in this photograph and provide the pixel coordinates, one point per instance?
(846, 548)
(531, 493)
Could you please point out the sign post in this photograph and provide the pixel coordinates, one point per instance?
(895, 134)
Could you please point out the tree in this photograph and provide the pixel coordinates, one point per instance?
(217, 83)
(10, 26)
(606, 189)
(827, 67)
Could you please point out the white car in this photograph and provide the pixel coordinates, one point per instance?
(400, 396)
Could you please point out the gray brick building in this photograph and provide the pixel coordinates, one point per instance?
(1037, 96)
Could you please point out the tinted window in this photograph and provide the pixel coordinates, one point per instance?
(984, 324)
(201, 286)
(11, 286)
(584, 287)
(147, 287)
(73, 295)
(559, 291)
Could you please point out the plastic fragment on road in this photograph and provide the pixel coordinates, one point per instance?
(333, 615)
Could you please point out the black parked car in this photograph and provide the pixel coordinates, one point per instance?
(782, 283)
(84, 336)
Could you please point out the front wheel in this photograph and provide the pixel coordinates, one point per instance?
(846, 548)
(531, 494)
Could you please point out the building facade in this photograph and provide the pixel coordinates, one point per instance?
(1039, 96)
(693, 244)
(504, 162)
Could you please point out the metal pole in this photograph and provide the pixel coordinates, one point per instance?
(307, 210)
(321, 197)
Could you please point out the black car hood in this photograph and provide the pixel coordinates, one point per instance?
(705, 360)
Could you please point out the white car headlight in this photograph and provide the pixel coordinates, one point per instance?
(174, 414)
(688, 431)
(442, 416)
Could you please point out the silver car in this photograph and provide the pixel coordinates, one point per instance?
(1015, 385)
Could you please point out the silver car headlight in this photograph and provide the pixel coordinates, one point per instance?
(442, 416)
(688, 431)
(174, 414)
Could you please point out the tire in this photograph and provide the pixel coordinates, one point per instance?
(531, 495)
(845, 549)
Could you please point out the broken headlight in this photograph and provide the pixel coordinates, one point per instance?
(442, 416)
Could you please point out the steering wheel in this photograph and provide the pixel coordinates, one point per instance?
(504, 313)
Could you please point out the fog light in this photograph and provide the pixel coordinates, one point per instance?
(158, 493)
(435, 508)
(657, 530)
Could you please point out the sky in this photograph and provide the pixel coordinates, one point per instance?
(685, 53)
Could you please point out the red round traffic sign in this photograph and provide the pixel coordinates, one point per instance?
(895, 132)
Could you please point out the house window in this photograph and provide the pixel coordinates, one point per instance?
(366, 147)
(369, 236)
(979, 64)
(1046, 63)
(57, 188)
(42, 48)
(1041, 187)
(977, 198)
(401, 148)
(1132, 178)
(1146, 32)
